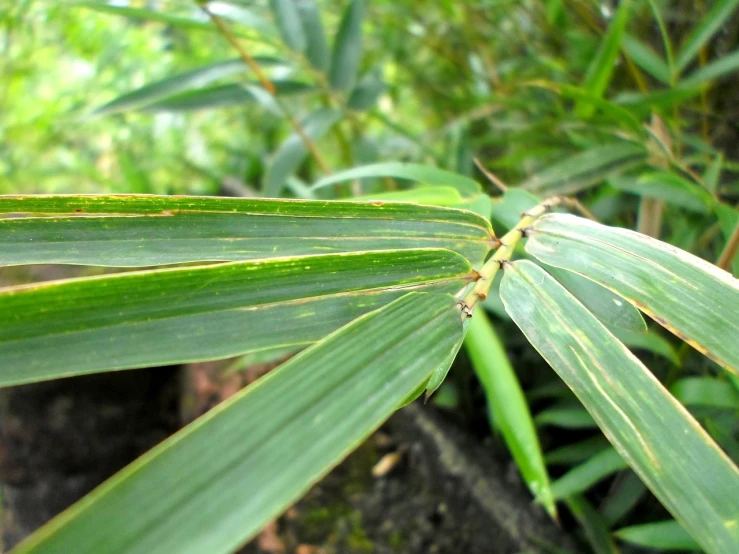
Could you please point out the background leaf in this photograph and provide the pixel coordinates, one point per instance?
(316, 47)
(507, 406)
(293, 151)
(289, 22)
(719, 12)
(664, 535)
(347, 50)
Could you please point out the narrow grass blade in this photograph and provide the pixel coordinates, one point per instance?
(508, 407)
(595, 527)
(646, 58)
(151, 318)
(601, 68)
(657, 437)
(577, 452)
(566, 418)
(723, 66)
(720, 12)
(690, 297)
(139, 231)
(625, 494)
(293, 151)
(251, 457)
(347, 49)
(580, 478)
(663, 535)
(664, 185)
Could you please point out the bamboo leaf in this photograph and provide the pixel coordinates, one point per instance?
(316, 47)
(610, 308)
(664, 535)
(293, 151)
(221, 96)
(369, 89)
(347, 50)
(624, 495)
(566, 418)
(258, 452)
(289, 22)
(586, 169)
(170, 316)
(577, 452)
(176, 84)
(507, 406)
(658, 438)
(701, 34)
(468, 188)
(139, 231)
(664, 185)
(691, 298)
(580, 478)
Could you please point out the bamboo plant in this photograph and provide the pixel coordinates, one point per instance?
(378, 296)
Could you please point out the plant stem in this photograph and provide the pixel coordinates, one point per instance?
(507, 244)
(727, 255)
(269, 87)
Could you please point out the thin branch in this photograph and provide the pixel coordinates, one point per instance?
(269, 87)
(727, 255)
(502, 187)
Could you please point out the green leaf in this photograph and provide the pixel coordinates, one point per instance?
(429, 195)
(369, 89)
(250, 458)
(293, 151)
(586, 169)
(595, 527)
(624, 495)
(658, 438)
(663, 535)
(667, 186)
(577, 452)
(316, 47)
(604, 62)
(650, 341)
(507, 406)
(580, 478)
(468, 188)
(220, 96)
(507, 209)
(170, 316)
(610, 308)
(176, 84)
(643, 104)
(713, 173)
(567, 418)
(289, 22)
(347, 51)
(690, 297)
(705, 391)
(701, 33)
(646, 58)
(140, 231)
(723, 66)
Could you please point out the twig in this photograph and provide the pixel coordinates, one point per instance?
(268, 85)
(502, 187)
(729, 251)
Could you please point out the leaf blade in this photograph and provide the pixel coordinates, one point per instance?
(658, 438)
(139, 231)
(347, 50)
(693, 299)
(171, 316)
(350, 383)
